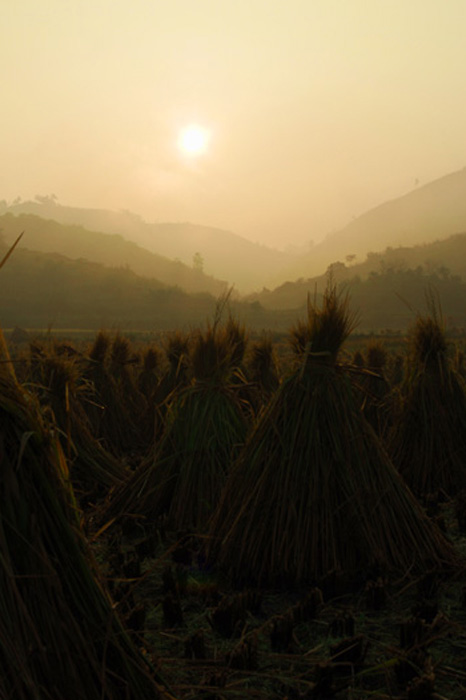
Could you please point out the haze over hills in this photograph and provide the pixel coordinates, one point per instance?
(444, 259)
(389, 288)
(38, 289)
(76, 242)
(246, 265)
(47, 290)
(428, 213)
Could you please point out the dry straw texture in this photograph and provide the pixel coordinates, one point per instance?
(262, 373)
(428, 439)
(205, 424)
(59, 634)
(313, 490)
(114, 414)
(63, 390)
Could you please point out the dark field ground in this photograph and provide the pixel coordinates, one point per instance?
(376, 637)
(385, 639)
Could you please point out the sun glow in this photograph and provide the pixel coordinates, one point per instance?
(193, 140)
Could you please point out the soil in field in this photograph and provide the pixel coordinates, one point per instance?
(375, 638)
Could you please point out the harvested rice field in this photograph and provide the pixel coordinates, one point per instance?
(379, 637)
(215, 516)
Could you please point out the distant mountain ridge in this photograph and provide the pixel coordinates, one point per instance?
(431, 212)
(445, 258)
(428, 213)
(111, 250)
(388, 288)
(246, 265)
(47, 290)
(38, 290)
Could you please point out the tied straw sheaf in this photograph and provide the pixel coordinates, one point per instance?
(63, 389)
(60, 636)
(206, 422)
(313, 491)
(428, 440)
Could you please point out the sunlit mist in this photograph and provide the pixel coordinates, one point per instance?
(320, 110)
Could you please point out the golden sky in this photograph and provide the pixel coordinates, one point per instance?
(316, 110)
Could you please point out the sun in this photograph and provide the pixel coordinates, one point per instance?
(193, 140)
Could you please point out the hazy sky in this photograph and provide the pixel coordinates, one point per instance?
(317, 109)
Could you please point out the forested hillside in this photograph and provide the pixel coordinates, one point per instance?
(389, 288)
(245, 264)
(38, 290)
(113, 250)
(428, 213)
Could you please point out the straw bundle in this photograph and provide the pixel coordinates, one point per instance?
(428, 439)
(176, 347)
(148, 377)
(93, 469)
(237, 340)
(374, 387)
(59, 635)
(121, 363)
(312, 490)
(147, 382)
(205, 428)
(100, 347)
(262, 373)
(205, 425)
(113, 414)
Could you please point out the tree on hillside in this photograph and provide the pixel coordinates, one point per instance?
(198, 262)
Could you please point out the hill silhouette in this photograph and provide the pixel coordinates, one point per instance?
(386, 258)
(225, 255)
(428, 213)
(39, 290)
(77, 242)
(388, 288)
